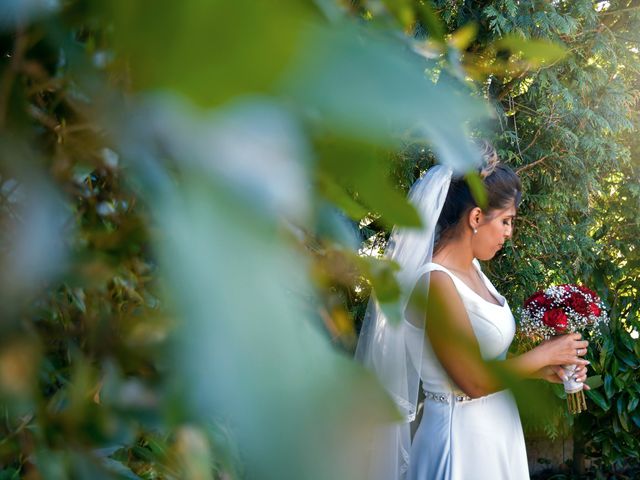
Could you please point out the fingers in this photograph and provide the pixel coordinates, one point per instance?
(567, 349)
(559, 371)
(580, 347)
(580, 375)
(581, 371)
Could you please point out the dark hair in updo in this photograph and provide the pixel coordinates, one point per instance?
(502, 185)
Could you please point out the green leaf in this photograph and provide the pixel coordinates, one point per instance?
(430, 19)
(78, 297)
(464, 36)
(627, 358)
(157, 446)
(339, 196)
(615, 366)
(9, 474)
(381, 272)
(598, 399)
(118, 469)
(245, 53)
(627, 341)
(536, 51)
(403, 11)
(361, 167)
(594, 381)
(226, 250)
(608, 346)
(476, 185)
(370, 87)
(624, 420)
(386, 200)
(17, 12)
(621, 380)
(608, 385)
(332, 224)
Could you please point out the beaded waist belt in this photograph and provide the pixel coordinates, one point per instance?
(444, 397)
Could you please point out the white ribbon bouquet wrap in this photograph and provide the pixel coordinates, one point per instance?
(574, 390)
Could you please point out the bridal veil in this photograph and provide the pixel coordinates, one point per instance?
(382, 346)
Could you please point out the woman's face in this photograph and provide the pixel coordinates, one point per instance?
(494, 228)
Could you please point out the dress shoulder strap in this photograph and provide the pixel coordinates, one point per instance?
(431, 267)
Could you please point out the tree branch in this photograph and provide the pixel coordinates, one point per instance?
(533, 164)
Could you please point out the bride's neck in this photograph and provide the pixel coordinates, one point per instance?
(456, 254)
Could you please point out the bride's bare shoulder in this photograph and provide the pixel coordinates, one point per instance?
(442, 284)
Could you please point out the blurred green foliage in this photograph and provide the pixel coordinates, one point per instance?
(195, 196)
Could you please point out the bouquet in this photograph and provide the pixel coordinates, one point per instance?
(564, 309)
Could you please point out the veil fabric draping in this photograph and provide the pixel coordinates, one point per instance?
(382, 346)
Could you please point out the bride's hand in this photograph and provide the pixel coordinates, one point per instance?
(564, 350)
(555, 374)
(551, 373)
(580, 375)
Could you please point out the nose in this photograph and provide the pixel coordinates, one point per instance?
(508, 232)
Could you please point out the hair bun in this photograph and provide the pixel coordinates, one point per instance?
(490, 158)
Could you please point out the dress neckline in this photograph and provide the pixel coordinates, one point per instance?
(484, 280)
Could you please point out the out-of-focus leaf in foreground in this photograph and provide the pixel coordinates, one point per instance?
(371, 86)
(21, 12)
(535, 51)
(33, 237)
(208, 50)
(345, 165)
(252, 148)
(261, 364)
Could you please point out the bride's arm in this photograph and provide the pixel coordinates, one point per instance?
(455, 345)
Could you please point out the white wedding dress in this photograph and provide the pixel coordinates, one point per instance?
(461, 438)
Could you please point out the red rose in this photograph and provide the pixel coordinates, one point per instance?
(538, 298)
(532, 298)
(587, 291)
(595, 309)
(578, 304)
(556, 319)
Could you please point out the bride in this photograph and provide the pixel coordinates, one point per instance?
(456, 343)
